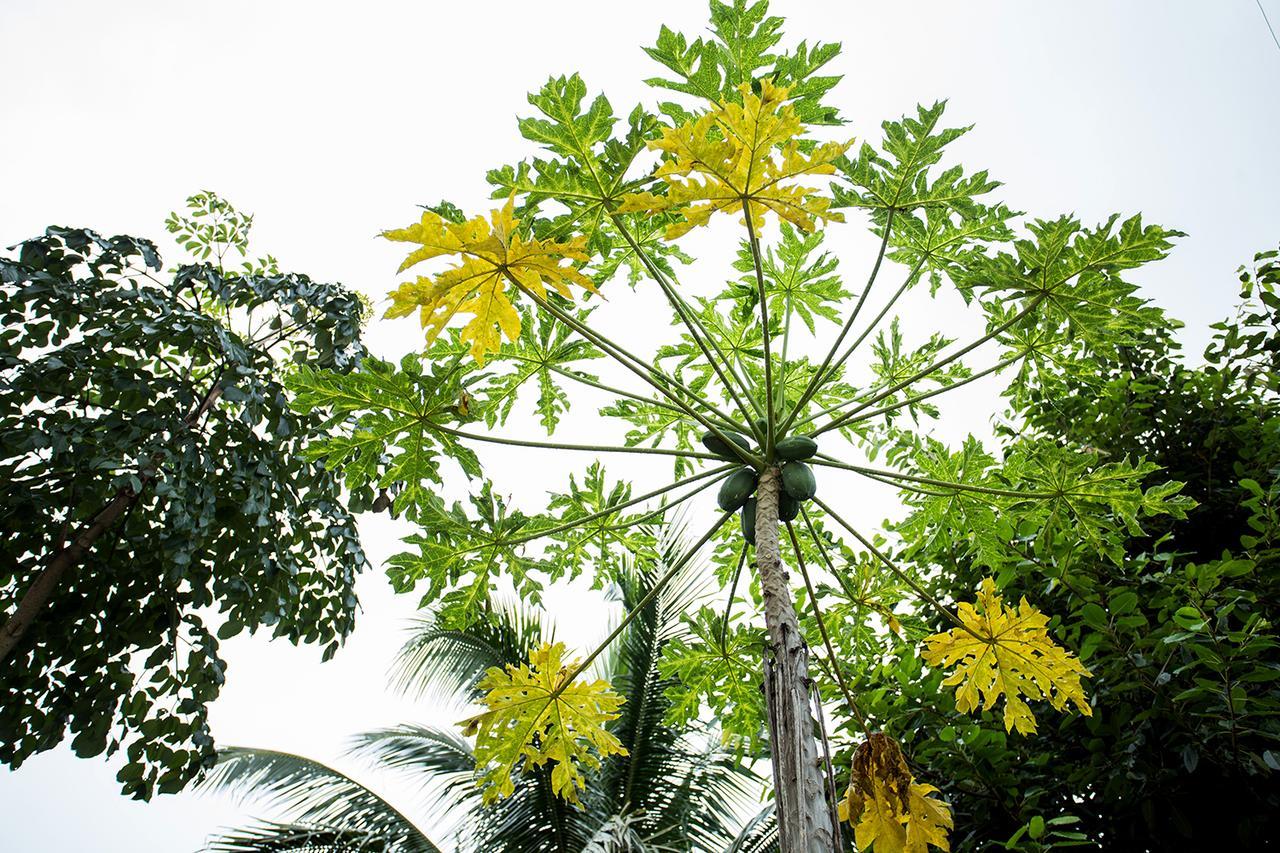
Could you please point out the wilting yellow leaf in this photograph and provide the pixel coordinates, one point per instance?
(491, 253)
(888, 809)
(731, 155)
(1008, 653)
(528, 724)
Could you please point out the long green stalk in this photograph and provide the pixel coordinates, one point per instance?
(733, 590)
(936, 366)
(639, 606)
(819, 375)
(875, 473)
(630, 395)
(633, 363)
(884, 410)
(903, 576)
(770, 415)
(822, 630)
(693, 324)
(555, 445)
(561, 528)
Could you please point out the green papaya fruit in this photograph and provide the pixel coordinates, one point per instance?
(735, 490)
(748, 517)
(788, 507)
(798, 481)
(795, 448)
(761, 425)
(717, 445)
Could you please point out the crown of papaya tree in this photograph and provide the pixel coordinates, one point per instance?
(753, 389)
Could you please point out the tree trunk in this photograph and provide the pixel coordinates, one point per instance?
(804, 816)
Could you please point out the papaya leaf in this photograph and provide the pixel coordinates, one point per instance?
(740, 51)
(719, 668)
(535, 717)
(460, 556)
(606, 543)
(899, 178)
(1007, 652)
(725, 159)
(798, 278)
(491, 252)
(543, 348)
(889, 810)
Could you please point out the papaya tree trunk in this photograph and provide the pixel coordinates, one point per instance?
(804, 816)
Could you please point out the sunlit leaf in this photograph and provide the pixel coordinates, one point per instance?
(535, 717)
(726, 159)
(491, 254)
(1007, 652)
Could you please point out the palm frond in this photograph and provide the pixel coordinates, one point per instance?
(623, 834)
(441, 761)
(314, 796)
(532, 820)
(266, 837)
(446, 663)
(670, 778)
(759, 835)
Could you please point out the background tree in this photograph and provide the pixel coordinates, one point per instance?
(1176, 624)
(751, 372)
(152, 469)
(676, 789)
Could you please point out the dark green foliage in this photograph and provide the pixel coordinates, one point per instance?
(1183, 748)
(161, 396)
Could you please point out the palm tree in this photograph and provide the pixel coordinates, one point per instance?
(674, 790)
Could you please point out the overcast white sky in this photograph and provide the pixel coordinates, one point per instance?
(330, 121)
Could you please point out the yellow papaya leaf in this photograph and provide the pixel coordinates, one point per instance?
(1007, 652)
(727, 157)
(890, 812)
(491, 253)
(534, 717)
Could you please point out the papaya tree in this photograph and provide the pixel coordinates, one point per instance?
(788, 370)
(152, 474)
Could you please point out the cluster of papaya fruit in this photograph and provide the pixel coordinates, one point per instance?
(738, 490)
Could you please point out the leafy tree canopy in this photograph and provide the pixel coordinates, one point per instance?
(153, 474)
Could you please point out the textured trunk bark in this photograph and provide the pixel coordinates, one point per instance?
(804, 816)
